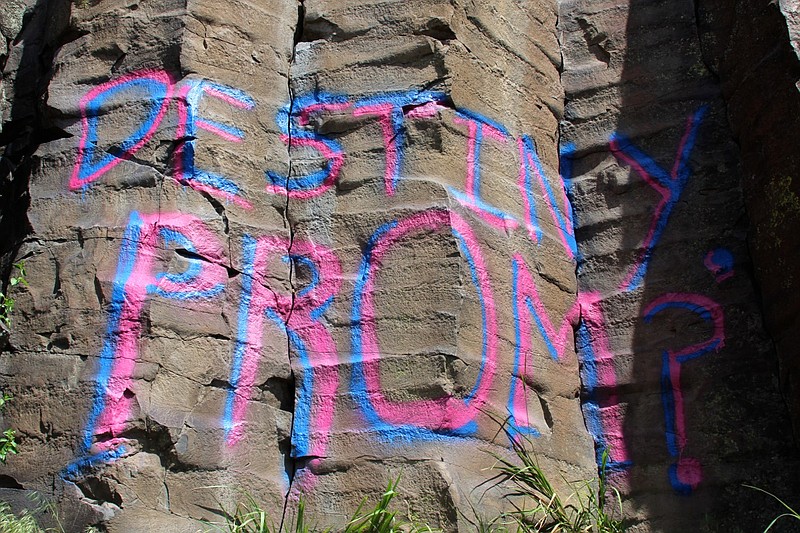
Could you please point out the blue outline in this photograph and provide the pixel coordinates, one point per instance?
(399, 100)
(125, 264)
(514, 428)
(477, 201)
(591, 405)
(191, 273)
(358, 392)
(530, 153)
(79, 467)
(667, 394)
(249, 245)
(287, 119)
(675, 187)
(302, 407)
(190, 171)
(158, 94)
(302, 412)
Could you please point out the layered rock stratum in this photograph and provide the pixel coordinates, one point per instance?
(307, 248)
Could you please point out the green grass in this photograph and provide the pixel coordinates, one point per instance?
(380, 519)
(28, 520)
(789, 513)
(538, 507)
(23, 523)
(248, 516)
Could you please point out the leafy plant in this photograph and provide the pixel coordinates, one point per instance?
(538, 507)
(246, 517)
(482, 524)
(789, 513)
(8, 440)
(7, 302)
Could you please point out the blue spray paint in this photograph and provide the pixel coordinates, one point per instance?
(670, 186)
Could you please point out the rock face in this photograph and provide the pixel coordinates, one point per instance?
(755, 58)
(281, 249)
(306, 248)
(662, 230)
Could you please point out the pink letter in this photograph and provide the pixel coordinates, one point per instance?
(298, 316)
(157, 87)
(135, 279)
(188, 123)
(478, 127)
(447, 414)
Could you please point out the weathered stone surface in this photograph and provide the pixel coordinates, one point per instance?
(661, 227)
(756, 60)
(426, 311)
(286, 248)
(281, 248)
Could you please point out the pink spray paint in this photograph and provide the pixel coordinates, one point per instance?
(471, 198)
(384, 113)
(298, 316)
(189, 121)
(437, 414)
(157, 84)
(686, 473)
(136, 279)
(528, 305)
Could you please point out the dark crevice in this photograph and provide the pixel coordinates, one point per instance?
(187, 254)
(299, 29)
(548, 415)
(14, 129)
(57, 275)
(119, 153)
(71, 34)
(44, 27)
(438, 29)
(220, 384)
(99, 489)
(584, 394)
(702, 44)
(98, 290)
(291, 465)
(216, 336)
(282, 390)
(118, 62)
(594, 40)
(8, 482)
(220, 209)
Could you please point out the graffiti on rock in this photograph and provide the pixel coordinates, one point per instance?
(685, 474)
(189, 119)
(153, 88)
(135, 281)
(530, 164)
(668, 184)
(601, 408)
(447, 414)
(298, 314)
(720, 263)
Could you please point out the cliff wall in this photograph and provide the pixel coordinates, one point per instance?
(306, 248)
